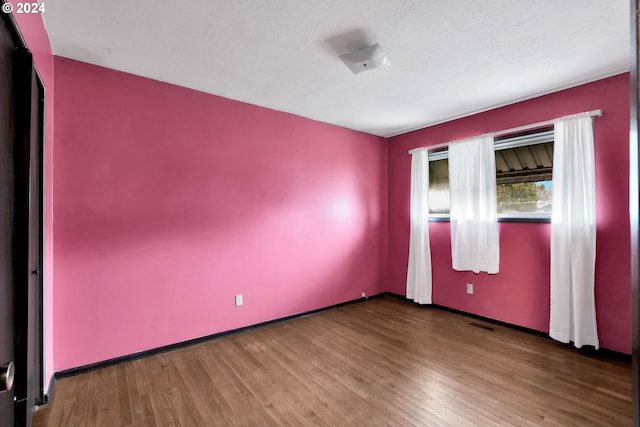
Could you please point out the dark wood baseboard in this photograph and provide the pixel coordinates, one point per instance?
(146, 353)
(587, 350)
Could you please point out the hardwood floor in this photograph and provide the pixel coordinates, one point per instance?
(382, 362)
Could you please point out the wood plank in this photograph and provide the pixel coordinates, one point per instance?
(383, 362)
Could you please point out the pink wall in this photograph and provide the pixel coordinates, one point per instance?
(33, 31)
(519, 294)
(170, 201)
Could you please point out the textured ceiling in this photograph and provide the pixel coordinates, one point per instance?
(449, 58)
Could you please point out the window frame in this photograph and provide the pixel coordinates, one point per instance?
(532, 137)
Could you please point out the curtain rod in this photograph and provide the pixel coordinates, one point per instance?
(592, 113)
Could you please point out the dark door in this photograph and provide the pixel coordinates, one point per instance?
(7, 224)
(26, 245)
(28, 303)
(21, 214)
(36, 241)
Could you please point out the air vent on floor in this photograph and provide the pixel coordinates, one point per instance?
(478, 325)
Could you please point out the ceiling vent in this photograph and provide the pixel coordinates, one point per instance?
(364, 59)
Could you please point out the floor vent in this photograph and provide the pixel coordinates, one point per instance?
(478, 325)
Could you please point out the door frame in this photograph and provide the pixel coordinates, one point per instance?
(28, 391)
(41, 396)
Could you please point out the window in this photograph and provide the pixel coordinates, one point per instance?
(524, 166)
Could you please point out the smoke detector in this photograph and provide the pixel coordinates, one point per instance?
(364, 59)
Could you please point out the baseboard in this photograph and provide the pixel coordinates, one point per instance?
(158, 350)
(587, 350)
(393, 294)
(602, 352)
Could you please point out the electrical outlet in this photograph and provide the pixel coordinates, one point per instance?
(238, 300)
(470, 288)
(363, 294)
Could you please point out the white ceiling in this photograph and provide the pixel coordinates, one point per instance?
(449, 58)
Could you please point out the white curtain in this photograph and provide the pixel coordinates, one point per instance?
(573, 233)
(419, 271)
(474, 220)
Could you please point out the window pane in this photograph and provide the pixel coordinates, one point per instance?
(524, 197)
(439, 186)
(523, 178)
(524, 166)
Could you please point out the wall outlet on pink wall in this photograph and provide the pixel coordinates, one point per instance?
(470, 288)
(238, 300)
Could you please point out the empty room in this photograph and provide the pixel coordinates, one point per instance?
(281, 213)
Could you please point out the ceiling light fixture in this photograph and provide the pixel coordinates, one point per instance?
(364, 59)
